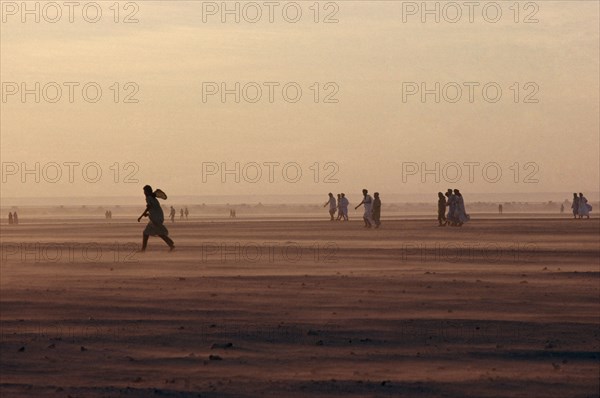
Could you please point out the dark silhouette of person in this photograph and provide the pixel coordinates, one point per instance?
(10, 218)
(16, 218)
(441, 210)
(575, 205)
(377, 210)
(155, 226)
(500, 209)
(181, 214)
(562, 208)
(340, 213)
(172, 214)
(187, 213)
(451, 203)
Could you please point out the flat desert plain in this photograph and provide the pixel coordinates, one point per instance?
(301, 308)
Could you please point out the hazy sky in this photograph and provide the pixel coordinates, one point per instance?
(371, 137)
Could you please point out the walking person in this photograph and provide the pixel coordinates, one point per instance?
(575, 205)
(332, 206)
(172, 214)
(155, 226)
(340, 213)
(584, 208)
(10, 218)
(377, 210)
(344, 206)
(441, 210)
(367, 202)
(451, 203)
(460, 214)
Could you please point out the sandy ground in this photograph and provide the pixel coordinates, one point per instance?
(498, 308)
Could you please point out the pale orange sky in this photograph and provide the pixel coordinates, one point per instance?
(369, 133)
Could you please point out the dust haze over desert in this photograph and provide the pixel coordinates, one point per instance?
(235, 274)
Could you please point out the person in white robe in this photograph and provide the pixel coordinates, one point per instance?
(584, 207)
(460, 215)
(367, 202)
(451, 203)
(344, 206)
(332, 206)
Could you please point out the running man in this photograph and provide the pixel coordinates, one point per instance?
(156, 221)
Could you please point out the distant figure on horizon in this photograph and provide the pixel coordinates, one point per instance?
(562, 208)
(16, 218)
(156, 219)
(441, 210)
(181, 214)
(460, 214)
(500, 208)
(172, 214)
(368, 204)
(584, 208)
(575, 205)
(344, 202)
(332, 205)
(10, 218)
(187, 213)
(377, 210)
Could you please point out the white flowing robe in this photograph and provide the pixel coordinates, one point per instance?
(332, 204)
(344, 205)
(452, 201)
(460, 212)
(584, 208)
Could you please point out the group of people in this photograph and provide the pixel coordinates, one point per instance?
(340, 206)
(580, 206)
(182, 213)
(13, 218)
(371, 215)
(452, 200)
(108, 214)
(457, 214)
